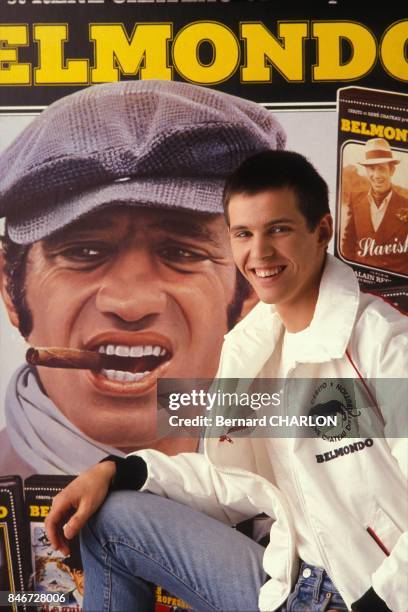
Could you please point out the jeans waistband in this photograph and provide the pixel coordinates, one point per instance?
(316, 578)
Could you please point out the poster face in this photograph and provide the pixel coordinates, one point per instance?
(154, 283)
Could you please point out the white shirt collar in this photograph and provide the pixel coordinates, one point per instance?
(377, 212)
(333, 320)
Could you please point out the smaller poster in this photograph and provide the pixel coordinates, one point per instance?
(372, 204)
(13, 553)
(51, 571)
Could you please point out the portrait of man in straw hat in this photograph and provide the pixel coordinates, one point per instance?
(115, 244)
(376, 231)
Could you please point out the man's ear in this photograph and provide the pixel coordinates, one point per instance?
(325, 230)
(12, 313)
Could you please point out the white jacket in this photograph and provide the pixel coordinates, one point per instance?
(341, 497)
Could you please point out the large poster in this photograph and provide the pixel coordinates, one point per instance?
(151, 287)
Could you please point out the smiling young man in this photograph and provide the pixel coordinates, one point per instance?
(116, 244)
(338, 504)
(279, 250)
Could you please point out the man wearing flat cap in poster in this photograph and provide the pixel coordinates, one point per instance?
(376, 232)
(115, 243)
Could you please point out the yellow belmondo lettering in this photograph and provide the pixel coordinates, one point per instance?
(226, 52)
(286, 56)
(330, 66)
(53, 67)
(392, 53)
(3, 512)
(41, 511)
(374, 129)
(115, 53)
(148, 52)
(11, 72)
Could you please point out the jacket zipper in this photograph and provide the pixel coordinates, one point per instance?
(302, 499)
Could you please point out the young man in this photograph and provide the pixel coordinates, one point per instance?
(338, 504)
(116, 242)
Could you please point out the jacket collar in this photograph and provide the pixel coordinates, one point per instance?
(252, 341)
(335, 313)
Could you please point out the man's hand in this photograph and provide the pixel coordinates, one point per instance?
(73, 506)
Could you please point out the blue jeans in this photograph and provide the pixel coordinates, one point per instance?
(137, 540)
(313, 593)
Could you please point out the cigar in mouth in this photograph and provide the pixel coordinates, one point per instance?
(54, 357)
(99, 360)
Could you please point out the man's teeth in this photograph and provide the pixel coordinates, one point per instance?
(121, 376)
(121, 350)
(270, 272)
(132, 351)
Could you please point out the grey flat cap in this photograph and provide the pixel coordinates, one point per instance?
(152, 143)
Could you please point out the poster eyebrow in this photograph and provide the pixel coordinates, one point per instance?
(78, 230)
(189, 228)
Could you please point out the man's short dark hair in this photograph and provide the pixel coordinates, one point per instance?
(271, 170)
